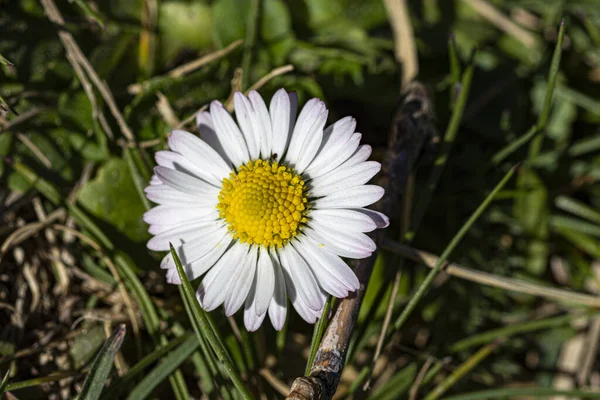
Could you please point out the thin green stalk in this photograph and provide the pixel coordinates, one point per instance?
(318, 333)
(4, 382)
(461, 371)
(454, 68)
(515, 329)
(199, 315)
(251, 27)
(442, 159)
(448, 250)
(536, 144)
(165, 368)
(578, 208)
(38, 381)
(138, 181)
(511, 393)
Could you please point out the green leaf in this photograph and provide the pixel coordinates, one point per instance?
(94, 381)
(183, 26)
(112, 197)
(229, 20)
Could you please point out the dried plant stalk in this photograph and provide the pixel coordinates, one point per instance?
(412, 128)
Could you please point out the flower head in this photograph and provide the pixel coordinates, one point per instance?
(265, 208)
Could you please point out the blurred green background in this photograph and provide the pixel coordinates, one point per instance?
(61, 152)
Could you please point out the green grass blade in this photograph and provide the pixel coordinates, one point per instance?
(96, 378)
(514, 329)
(38, 381)
(164, 369)
(578, 208)
(536, 144)
(138, 180)
(461, 371)
(199, 318)
(511, 393)
(318, 333)
(448, 250)
(440, 162)
(4, 382)
(118, 387)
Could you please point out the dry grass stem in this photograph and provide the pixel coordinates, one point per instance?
(276, 72)
(404, 39)
(484, 278)
(182, 70)
(71, 46)
(502, 22)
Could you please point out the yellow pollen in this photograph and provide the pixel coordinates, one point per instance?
(264, 203)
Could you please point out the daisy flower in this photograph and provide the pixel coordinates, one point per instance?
(265, 209)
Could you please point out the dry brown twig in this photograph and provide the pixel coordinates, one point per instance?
(408, 136)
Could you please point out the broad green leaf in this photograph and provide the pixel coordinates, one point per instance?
(184, 26)
(112, 197)
(229, 20)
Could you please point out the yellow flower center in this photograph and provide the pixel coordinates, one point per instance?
(264, 203)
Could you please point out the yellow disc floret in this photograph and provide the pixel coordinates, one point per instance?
(264, 203)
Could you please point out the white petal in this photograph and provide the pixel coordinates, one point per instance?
(155, 181)
(164, 194)
(229, 134)
(325, 279)
(312, 143)
(201, 154)
(283, 114)
(337, 245)
(213, 288)
(194, 249)
(246, 117)
(240, 282)
(264, 120)
(278, 304)
(183, 234)
(179, 162)
(265, 281)
(344, 219)
(302, 277)
(335, 137)
(344, 177)
(354, 239)
(156, 229)
(380, 219)
(310, 116)
(184, 182)
(195, 269)
(173, 215)
(209, 135)
(323, 260)
(361, 154)
(199, 266)
(354, 197)
(336, 158)
(252, 320)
